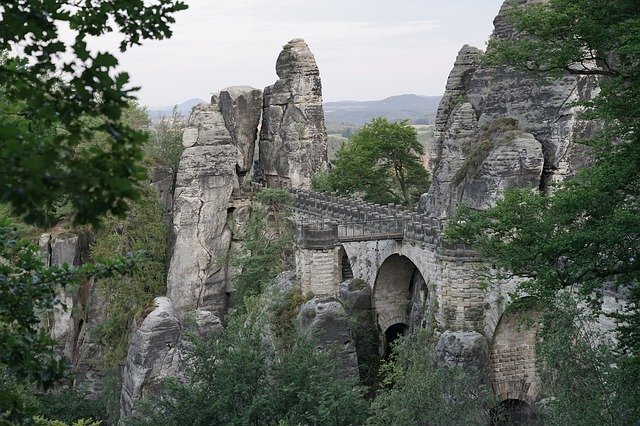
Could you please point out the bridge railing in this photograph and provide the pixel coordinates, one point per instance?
(369, 217)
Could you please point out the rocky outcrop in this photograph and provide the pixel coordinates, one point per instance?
(153, 354)
(293, 138)
(544, 149)
(219, 144)
(468, 349)
(326, 323)
(241, 108)
(83, 311)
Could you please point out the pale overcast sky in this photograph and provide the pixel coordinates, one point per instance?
(365, 49)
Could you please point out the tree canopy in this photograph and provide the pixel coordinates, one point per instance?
(55, 95)
(382, 162)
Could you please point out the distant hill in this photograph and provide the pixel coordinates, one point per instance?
(184, 109)
(417, 109)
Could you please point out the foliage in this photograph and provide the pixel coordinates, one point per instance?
(283, 322)
(367, 340)
(381, 161)
(40, 421)
(267, 244)
(28, 287)
(165, 141)
(69, 406)
(579, 369)
(421, 392)
(142, 231)
(320, 182)
(50, 88)
(238, 379)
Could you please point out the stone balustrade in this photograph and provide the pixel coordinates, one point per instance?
(356, 219)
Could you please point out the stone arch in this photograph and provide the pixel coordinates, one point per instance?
(392, 291)
(513, 360)
(344, 265)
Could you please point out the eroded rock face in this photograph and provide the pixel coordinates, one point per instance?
(467, 349)
(85, 310)
(241, 108)
(325, 322)
(293, 137)
(153, 354)
(477, 96)
(219, 143)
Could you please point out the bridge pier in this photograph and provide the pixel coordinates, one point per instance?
(318, 259)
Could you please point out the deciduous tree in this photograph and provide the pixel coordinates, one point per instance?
(382, 162)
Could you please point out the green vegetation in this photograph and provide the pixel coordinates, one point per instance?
(165, 142)
(65, 146)
(28, 288)
(264, 372)
(51, 89)
(419, 392)
(267, 245)
(382, 162)
(142, 231)
(583, 237)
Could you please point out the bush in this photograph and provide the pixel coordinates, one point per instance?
(419, 392)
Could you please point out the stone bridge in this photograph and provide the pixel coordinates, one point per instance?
(417, 279)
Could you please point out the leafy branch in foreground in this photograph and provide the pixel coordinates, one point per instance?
(50, 87)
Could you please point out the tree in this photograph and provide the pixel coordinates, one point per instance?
(381, 161)
(57, 98)
(49, 88)
(586, 235)
(418, 391)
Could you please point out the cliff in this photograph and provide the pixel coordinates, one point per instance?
(499, 128)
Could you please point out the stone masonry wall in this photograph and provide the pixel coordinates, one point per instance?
(513, 361)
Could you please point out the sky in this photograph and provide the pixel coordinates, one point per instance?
(365, 49)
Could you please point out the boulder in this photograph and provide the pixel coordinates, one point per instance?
(326, 323)
(293, 137)
(467, 349)
(355, 294)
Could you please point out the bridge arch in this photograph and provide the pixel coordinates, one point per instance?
(392, 295)
(513, 359)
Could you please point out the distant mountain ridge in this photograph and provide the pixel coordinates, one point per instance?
(417, 109)
(184, 109)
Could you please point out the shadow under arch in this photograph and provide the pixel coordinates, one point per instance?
(513, 412)
(392, 293)
(344, 265)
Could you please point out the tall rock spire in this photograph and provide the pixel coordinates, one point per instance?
(293, 137)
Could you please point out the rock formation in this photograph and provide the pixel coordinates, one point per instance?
(500, 128)
(293, 138)
(219, 145)
(153, 354)
(326, 323)
(71, 327)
